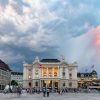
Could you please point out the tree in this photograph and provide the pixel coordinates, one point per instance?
(13, 82)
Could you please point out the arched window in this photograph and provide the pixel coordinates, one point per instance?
(55, 74)
(29, 84)
(63, 73)
(44, 74)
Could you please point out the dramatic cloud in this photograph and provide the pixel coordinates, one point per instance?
(84, 49)
(9, 56)
(50, 28)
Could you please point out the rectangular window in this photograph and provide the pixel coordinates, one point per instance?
(63, 74)
(70, 84)
(70, 75)
(36, 83)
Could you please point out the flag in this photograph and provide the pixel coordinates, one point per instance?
(40, 65)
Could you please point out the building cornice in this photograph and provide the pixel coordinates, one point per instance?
(27, 65)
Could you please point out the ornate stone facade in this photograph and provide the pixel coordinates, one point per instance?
(51, 73)
(5, 75)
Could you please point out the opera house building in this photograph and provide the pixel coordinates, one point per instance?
(51, 73)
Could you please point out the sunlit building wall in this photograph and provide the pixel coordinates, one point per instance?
(52, 73)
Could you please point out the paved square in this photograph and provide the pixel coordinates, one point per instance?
(53, 96)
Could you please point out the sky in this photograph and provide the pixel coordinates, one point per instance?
(50, 29)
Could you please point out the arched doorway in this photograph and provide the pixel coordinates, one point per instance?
(30, 84)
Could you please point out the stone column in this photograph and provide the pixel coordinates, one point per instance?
(24, 76)
(67, 73)
(60, 72)
(24, 72)
(53, 72)
(42, 72)
(58, 84)
(47, 72)
(52, 84)
(40, 84)
(33, 72)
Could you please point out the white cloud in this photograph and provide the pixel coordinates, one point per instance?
(84, 49)
(39, 24)
(7, 38)
(32, 17)
(34, 41)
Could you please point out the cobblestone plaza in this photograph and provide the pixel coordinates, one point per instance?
(53, 96)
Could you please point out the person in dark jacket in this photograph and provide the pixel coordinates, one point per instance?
(48, 92)
(44, 91)
(10, 90)
(18, 90)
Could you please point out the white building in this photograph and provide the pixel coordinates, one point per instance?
(51, 73)
(5, 75)
(17, 76)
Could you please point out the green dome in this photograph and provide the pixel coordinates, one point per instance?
(94, 72)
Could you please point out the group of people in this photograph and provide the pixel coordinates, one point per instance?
(15, 90)
(46, 91)
(67, 90)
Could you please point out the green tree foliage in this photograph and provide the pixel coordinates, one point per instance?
(13, 82)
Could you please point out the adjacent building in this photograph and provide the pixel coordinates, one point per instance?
(17, 76)
(86, 79)
(5, 75)
(52, 73)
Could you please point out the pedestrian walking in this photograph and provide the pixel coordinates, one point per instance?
(18, 90)
(48, 92)
(59, 91)
(44, 91)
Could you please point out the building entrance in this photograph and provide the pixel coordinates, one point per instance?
(52, 84)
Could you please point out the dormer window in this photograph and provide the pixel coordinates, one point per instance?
(70, 75)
